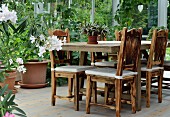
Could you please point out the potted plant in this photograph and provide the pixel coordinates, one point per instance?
(8, 108)
(35, 77)
(11, 33)
(95, 31)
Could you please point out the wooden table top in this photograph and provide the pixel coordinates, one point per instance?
(102, 46)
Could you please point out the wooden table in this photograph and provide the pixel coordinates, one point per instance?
(107, 47)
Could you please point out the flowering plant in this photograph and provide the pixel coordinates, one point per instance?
(10, 40)
(7, 104)
(47, 44)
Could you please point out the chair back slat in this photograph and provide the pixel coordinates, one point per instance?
(61, 57)
(129, 50)
(118, 35)
(157, 48)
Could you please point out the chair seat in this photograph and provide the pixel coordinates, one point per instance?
(105, 63)
(109, 72)
(73, 68)
(143, 68)
(166, 74)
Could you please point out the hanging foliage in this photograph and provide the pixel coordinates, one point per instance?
(129, 16)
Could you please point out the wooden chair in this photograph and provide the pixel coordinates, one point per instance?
(166, 77)
(128, 58)
(61, 68)
(154, 67)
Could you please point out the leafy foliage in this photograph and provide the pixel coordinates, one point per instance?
(7, 103)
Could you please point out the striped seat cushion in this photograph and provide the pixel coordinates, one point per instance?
(105, 64)
(73, 68)
(109, 72)
(143, 68)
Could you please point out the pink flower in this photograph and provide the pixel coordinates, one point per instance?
(7, 114)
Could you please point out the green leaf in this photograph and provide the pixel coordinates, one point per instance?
(11, 100)
(12, 26)
(21, 27)
(20, 110)
(21, 115)
(7, 96)
(2, 90)
(5, 27)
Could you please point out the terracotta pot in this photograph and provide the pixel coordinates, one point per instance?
(9, 79)
(35, 75)
(92, 40)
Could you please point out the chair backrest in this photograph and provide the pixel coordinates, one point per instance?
(129, 52)
(118, 35)
(157, 48)
(61, 57)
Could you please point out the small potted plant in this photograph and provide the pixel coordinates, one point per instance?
(95, 31)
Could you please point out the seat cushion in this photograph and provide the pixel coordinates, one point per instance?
(105, 64)
(154, 68)
(73, 68)
(109, 72)
(166, 74)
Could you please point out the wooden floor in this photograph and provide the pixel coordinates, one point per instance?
(36, 103)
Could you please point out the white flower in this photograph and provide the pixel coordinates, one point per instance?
(32, 38)
(41, 51)
(2, 17)
(40, 54)
(13, 16)
(6, 15)
(4, 7)
(19, 60)
(10, 61)
(21, 68)
(50, 43)
(42, 38)
(54, 43)
(64, 40)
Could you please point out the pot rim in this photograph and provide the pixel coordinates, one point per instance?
(45, 61)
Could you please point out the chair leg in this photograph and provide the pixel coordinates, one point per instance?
(81, 85)
(94, 92)
(76, 92)
(133, 95)
(88, 94)
(70, 86)
(106, 95)
(53, 87)
(160, 78)
(118, 92)
(148, 89)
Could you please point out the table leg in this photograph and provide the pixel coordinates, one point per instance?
(82, 61)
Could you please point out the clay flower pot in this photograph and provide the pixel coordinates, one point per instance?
(10, 77)
(92, 40)
(35, 75)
